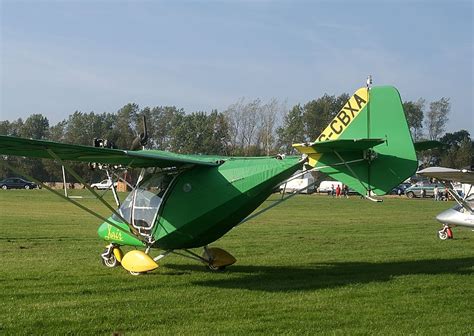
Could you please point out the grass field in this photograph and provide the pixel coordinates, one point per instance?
(313, 265)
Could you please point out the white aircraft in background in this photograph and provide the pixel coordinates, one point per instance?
(462, 214)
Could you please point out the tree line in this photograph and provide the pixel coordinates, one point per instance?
(245, 128)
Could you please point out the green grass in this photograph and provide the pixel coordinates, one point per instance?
(313, 265)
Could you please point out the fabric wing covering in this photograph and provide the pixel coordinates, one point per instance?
(135, 159)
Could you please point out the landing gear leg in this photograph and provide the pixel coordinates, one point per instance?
(445, 233)
(112, 256)
(217, 259)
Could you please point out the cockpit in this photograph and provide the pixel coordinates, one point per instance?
(142, 205)
(469, 201)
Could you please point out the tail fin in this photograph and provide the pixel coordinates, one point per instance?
(368, 145)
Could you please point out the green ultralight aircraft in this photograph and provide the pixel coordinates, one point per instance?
(181, 202)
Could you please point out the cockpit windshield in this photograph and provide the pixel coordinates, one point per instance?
(469, 200)
(142, 204)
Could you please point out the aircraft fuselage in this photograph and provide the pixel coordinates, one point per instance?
(197, 206)
(456, 216)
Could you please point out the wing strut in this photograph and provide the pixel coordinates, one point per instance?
(461, 201)
(285, 198)
(93, 213)
(81, 180)
(368, 195)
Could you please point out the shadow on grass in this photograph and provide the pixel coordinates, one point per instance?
(327, 275)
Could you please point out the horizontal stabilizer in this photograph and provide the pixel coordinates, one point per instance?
(425, 145)
(341, 146)
(367, 145)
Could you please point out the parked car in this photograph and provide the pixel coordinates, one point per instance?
(400, 189)
(105, 184)
(17, 183)
(416, 190)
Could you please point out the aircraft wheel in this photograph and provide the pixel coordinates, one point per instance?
(443, 235)
(136, 273)
(450, 233)
(215, 268)
(110, 261)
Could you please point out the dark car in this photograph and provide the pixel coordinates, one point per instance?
(17, 183)
(400, 189)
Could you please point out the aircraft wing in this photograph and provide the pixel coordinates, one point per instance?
(144, 158)
(343, 145)
(449, 174)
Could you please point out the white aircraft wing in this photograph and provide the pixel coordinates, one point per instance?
(448, 174)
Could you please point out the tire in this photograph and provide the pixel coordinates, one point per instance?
(443, 235)
(27, 187)
(4, 187)
(410, 194)
(215, 268)
(136, 273)
(111, 261)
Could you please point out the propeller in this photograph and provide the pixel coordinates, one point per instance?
(142, 139)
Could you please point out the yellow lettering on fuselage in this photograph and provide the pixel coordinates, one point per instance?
(111, 235)
(345, 116)
(338, 125)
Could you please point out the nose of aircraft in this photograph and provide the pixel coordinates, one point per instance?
(448, 216)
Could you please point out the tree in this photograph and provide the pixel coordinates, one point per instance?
(293, 130)
(318, 113)
(35, 127)
(161, 123)
(199, 133)
(125, 127)
(270, 116)
(454, 139)
(253, 126)
(459, 150)
(464, 155)
(4, 127)
(437, 117)
(414, 115)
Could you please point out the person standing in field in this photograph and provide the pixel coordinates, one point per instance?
(436, 190)
(338, 191)
(345, 191)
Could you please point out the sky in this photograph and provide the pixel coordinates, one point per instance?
(61, 56)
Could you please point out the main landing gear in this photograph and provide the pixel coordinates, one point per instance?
(140, 262)
(217, 259)
(112, 256)
(445, 233)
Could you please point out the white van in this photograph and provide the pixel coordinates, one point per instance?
(326, 186)
(298, 184)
